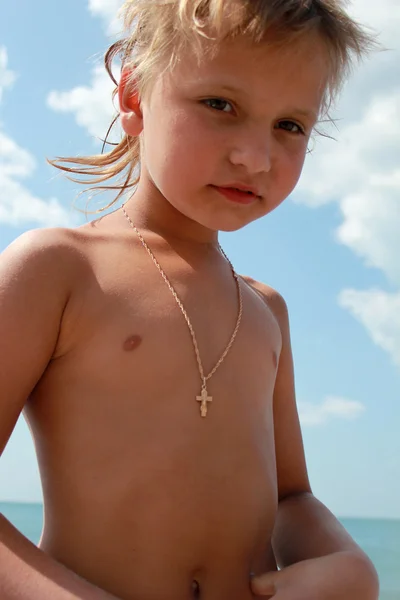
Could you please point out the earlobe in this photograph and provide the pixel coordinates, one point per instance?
(129, 103)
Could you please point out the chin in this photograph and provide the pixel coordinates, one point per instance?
(230, 225)
(233, 227)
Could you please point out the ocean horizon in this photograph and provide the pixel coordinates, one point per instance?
(379, 538)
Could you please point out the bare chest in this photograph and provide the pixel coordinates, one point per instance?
(117, 421)
(127, 358)
(127, 370)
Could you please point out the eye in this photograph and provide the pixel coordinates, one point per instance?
(219, 104)
(291, 127)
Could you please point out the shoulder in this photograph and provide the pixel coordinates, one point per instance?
(44, 242)
(47, 245)
(53, 254)
(272, 298)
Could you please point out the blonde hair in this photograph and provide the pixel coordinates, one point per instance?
(157, 32)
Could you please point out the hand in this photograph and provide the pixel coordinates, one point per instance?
(339, 576)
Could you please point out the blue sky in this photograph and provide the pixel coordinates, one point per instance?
(331, 249)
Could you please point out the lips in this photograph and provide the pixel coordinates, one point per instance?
(235, 194)
(242, 187)
(239, 190)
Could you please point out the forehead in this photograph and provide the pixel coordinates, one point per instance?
(263, 70)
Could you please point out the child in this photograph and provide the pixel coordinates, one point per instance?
(157, 383)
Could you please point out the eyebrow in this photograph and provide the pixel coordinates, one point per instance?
(308, 114)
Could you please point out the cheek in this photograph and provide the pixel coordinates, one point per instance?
(292, 165)
(178, 145)
(188, 135)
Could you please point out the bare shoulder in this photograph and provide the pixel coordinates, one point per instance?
(53, 253)
(45, 266)
(49, 243)
(37, 273)
(272, 298)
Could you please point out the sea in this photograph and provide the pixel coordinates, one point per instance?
(379, 538)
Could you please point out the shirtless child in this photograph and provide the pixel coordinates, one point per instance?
(165, 478)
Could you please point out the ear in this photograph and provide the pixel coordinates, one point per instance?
(130, 111)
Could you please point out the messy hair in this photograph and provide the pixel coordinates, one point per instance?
(157, 32)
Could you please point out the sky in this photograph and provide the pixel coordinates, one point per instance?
(332, 249)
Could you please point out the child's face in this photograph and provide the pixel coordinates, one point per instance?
(244, 117)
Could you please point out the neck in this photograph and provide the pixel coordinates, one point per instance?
(150, 211)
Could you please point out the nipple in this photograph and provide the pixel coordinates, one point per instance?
(132, 342)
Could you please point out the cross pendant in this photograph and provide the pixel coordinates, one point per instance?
(204, 398)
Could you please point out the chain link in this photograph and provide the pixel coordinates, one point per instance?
(204, 378)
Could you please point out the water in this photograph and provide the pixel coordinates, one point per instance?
(379, 538)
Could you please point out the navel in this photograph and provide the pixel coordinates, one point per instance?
(132, 342)
(195, 589)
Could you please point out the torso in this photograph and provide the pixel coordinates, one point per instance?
(142, 495)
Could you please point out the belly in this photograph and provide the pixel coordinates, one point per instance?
(142, 499)
(170, 531)
(165, 563)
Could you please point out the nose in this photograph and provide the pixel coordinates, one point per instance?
(252, 150)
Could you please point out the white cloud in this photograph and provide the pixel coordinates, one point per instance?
(18, 206)
(332, 407)
(91, 105)
(7, 78)
(361, 173)
(108, 11)
(383, 17)
(14, 160)
(366, 154)
(371, 225)
(379, 312)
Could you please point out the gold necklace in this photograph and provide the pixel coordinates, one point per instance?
(204, 398)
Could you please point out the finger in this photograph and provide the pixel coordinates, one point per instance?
(265, 584)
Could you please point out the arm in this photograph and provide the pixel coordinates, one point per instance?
(305, 528)
(35, 276)
(27, 573)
